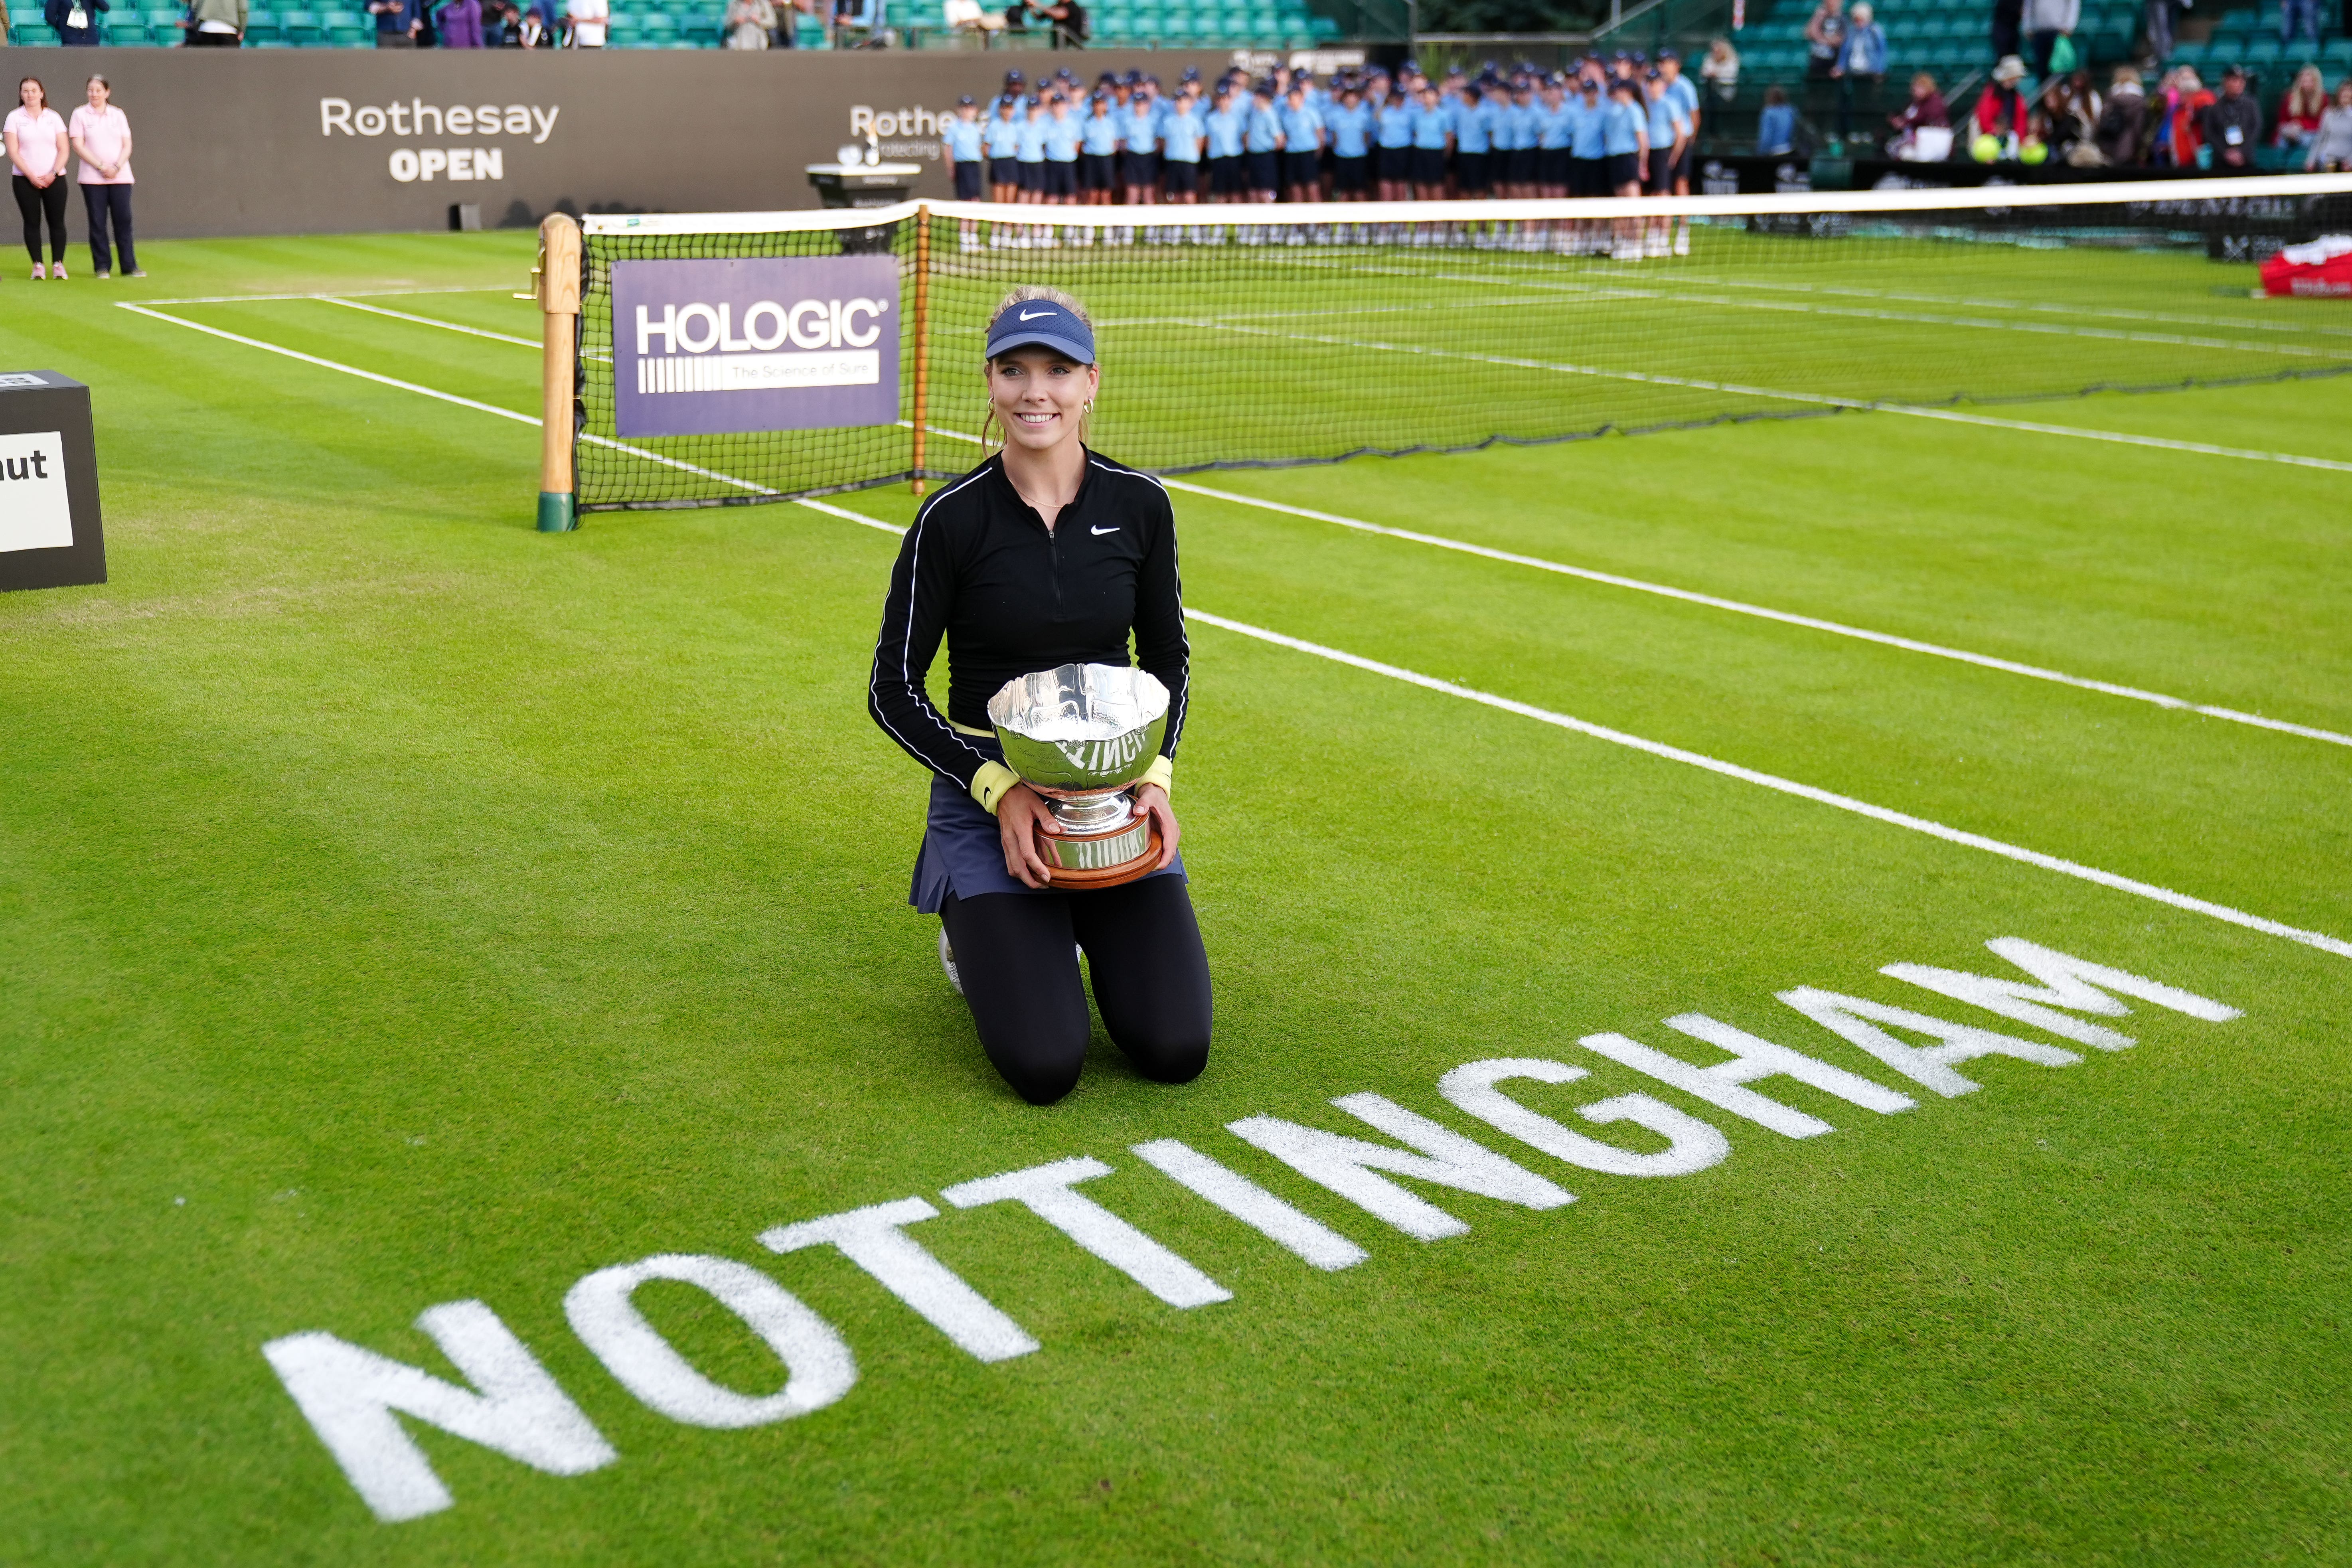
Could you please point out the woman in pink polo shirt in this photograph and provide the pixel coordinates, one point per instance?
(103, 136)
(36, 138)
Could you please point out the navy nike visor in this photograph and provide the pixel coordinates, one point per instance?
(1041, 323)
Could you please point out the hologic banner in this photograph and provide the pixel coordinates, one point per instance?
(723, 347)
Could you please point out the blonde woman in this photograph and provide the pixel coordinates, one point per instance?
(38, 149)
(1048, 553)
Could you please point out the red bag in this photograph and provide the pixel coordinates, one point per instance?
(2320, 270)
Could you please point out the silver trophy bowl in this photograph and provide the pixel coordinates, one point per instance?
(1081, 735)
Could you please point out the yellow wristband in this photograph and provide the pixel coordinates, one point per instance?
(990, 785)
(1162, 771)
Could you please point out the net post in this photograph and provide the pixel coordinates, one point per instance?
(922, 330)
(555, 282)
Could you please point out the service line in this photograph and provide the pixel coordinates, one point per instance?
(350, 303)
(1761, 612)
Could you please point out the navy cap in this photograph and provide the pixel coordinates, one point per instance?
(1044, 324)
(1666, 55)
(964, 102)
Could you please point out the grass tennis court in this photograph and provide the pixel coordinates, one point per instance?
(398, 907)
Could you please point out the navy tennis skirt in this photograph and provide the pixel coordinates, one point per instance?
(962, 853)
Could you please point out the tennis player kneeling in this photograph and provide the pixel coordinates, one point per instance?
(1045, 554)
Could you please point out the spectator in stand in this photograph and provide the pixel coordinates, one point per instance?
(2001, 111)
(2298, 17)
(1720, 69)
(2074, 107)
(1776, 126)
(2046, 22)
(2331, 149)
(2300, 109)
(2159, 30)
(584, 23)
(214, 24)
(2180, 136)
(1825, 37)
(1861, 68)
(38, 152)
(750, 23)
(2008, 27)
(2232, 123)
(529, 28)
(2122, 135)
(76, 21)
(101, 134)
(459, 24)
(1927, 110)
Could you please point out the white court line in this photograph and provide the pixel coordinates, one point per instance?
(1616, 737)
(341, 293)
(2074, 868)
(428, 321)
(531, 419)
(1838, 628)
(1860, 405)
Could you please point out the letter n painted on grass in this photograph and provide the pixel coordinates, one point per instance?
(354, 1398)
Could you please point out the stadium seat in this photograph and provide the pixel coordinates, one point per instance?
(300, 29)
(658, 29)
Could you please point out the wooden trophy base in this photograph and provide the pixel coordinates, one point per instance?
(1077, 879)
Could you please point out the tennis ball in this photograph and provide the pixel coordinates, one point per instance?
(2033, 153)
(1985, 149)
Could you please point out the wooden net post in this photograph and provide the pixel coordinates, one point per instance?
(555, 284)
(922, 330)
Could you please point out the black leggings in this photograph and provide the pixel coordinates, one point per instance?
(33, 200)
(1012, 953)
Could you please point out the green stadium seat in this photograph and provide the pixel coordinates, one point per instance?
(301, 28)
(125, 34)
(1323, 29)
(660, 29)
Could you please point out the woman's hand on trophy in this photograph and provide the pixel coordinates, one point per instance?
(1020, 816)
(1152, 800)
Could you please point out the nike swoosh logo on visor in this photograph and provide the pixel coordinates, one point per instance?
(1114, 529)
(1033, 315)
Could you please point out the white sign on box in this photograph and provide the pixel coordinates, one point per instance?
(34, 514)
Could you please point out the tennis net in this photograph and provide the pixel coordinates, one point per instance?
(1237, 336)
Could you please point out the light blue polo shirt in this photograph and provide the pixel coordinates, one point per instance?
(1264, 132)
(1682, 92)
(1350, 131)
(1587, 128)
(1002, 137)
(1061, 138)
(1430, 126)
(1101, 133)
(1474, 128)
(1666, 122)
(961, 137)
(1181, 136)
(1302, 129)
(1033, 140)
(1141, 131)
(1552, 125)
(1395, 121)
(1225, 127)
(1621, 125)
